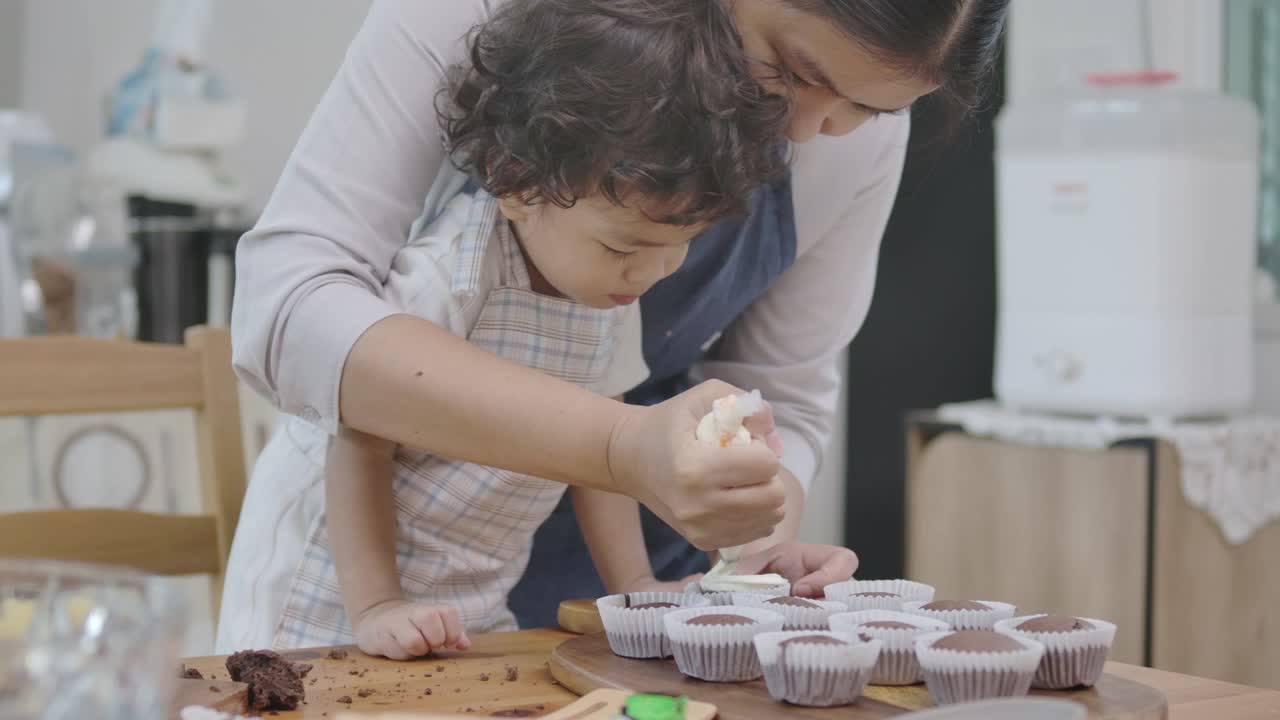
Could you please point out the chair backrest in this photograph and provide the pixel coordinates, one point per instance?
(66, 375)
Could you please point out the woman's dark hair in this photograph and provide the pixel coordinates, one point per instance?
(954, 43)
(565, 98)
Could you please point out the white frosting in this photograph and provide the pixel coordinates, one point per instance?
(723, 425)
(740, 583)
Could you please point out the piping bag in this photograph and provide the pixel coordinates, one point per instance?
(723, 426)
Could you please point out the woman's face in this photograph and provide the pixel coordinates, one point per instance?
(837, 85)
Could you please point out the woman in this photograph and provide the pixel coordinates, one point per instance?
(765, 303)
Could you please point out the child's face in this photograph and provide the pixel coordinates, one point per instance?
(596, 253)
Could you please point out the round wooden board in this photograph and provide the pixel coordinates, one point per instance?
(585, 663)
(579, 617)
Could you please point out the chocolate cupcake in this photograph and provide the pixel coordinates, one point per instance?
(1075, 648)
(963, 614)
(797, 613)
(897, 633)
(878, 594)
(715, 643)
(969, 665)
(633, 621)
(818, 669)
(719, 590)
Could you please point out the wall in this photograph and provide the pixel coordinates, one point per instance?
(12, 13)
(278, 56)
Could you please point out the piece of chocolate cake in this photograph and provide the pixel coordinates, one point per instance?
(274, 682)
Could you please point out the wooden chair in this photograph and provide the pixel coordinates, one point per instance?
(69, 375)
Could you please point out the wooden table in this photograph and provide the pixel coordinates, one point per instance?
(457, 683)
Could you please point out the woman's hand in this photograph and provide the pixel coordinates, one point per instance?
(714, 496)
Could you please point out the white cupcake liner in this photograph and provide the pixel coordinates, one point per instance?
(639, 633)
(1071, 659)
(725, 599)
(718, 653)
(906, 590)
(897, 664)
(956, 676)
(965, 619)
(816, 675)
(794, 618)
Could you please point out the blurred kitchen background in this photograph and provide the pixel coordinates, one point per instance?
(1130, 221)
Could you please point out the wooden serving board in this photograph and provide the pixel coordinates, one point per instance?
(585, 663)
(223, 695)
(580, 617)
(598, 705)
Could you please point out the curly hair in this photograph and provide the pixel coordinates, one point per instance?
(648, 100)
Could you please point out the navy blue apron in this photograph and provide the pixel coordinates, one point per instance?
(728, 267)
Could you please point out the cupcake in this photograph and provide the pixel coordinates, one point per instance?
(797, 613)
(897, 633)
(963, 614)
(715, 643)
(633, 622)
(1075, 648)
(719, 589)
(969, 665)
(878, 594)
(819, 669)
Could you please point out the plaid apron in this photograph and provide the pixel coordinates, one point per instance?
(464, 531)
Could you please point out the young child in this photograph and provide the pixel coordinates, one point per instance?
(588, 183)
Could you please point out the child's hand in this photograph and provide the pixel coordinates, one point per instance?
(651, 584)
(809, 567)
(400, 630)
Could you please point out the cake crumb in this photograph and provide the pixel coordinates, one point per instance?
(366, 692)
(484, 677)
(189, 673)
(439, 668)
(337, 654)
(513, 673)
(345, 700)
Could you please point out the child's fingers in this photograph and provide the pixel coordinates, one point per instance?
(464, 642)
(389, 645)
(452, 627)
(427, 619)
(409, 638)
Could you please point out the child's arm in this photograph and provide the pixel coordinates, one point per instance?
(362, 534)
(611, 527)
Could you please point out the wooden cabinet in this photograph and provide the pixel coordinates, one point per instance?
(1099, 533)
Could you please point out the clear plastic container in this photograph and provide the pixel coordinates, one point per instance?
(85, 641)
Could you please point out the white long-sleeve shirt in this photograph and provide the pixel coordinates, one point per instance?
(308, 273)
